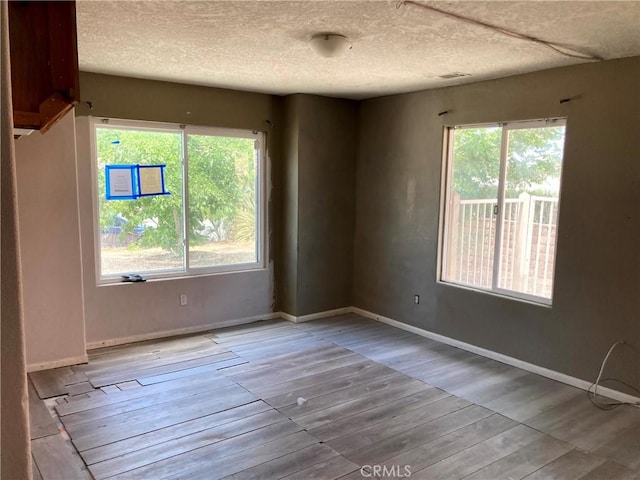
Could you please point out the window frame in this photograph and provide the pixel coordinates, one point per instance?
(184, 131)
(445, 194)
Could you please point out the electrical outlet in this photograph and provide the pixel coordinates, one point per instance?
(416, 299)
(183, 300)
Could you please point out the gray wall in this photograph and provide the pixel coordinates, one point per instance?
(597, 282)
(287, 281)
(319, 203)
(122, 311)
(312, 152)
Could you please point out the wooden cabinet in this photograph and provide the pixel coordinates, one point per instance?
(44, 62)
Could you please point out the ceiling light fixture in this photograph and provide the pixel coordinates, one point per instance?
(330, 44)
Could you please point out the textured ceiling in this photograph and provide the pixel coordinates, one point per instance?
(262, 45)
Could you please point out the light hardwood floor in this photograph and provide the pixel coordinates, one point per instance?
(320, 400)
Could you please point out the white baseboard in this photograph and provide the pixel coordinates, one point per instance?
(545, 372)
(529, 367)
(316, 316)
(63, 362)
(180, 331)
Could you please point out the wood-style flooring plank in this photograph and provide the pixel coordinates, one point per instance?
(55, 460)
(484, 383)
(34, 468)
(332, 469)
(403, 355)
(75, 398)
(40, 420)
(531, 395)
(331, 324)
(334, 321)
(578, 422)
(110, 389)
(524, 461)
(128, 385)
(270, 390)
(413, 438)
(132, 356)
(432, 365)
(256, 379)
(247, 459)
(120, 396)
(369, 435)
(500, 384)
(253, 334)
(266, 351)
(118, 365)
(409, 358)
(219, 335)
(357, 475)
(227, 457)
(484, 453)
(286, 465)
(125, 372)
(381, 342)
(373, 416)
(172, 432)
(570, 466)
(290, 360)
(358, 339)
(145, 349)
(374, 385)
(75, 377)
(375, 373)
(611, 471)
(164, 397)
(89, 422)
(206, 369)
(353, 407)
(186, 443)
(79, 388)
(153, 418)
(251, 342)
(96, 393)
(451, 377)
(161, 369)
(623, 449)
(50, 383)
(451, 443)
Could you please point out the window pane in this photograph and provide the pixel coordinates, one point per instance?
(530, 213)
(473, 193)
(222, 201)
(143, 235)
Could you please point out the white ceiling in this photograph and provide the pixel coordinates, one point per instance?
(262, 45)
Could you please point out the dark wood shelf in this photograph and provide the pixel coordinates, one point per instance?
(44, 62)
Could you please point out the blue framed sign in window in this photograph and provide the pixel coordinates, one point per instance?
(151, 180)
(129, 182)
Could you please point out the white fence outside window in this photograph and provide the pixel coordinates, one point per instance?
(527, 245)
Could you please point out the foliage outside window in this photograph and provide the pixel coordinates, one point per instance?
(210, 222)
(502, 191)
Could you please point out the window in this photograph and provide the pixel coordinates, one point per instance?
(212, 218)
(502, 192)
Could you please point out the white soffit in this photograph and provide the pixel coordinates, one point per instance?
(263, 46)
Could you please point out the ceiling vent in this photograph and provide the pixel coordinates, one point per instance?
(449, 76)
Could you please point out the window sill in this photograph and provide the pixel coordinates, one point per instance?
(163, 277)
(513, 296)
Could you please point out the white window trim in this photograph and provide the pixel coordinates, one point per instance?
(445, 193)
(186, 272)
